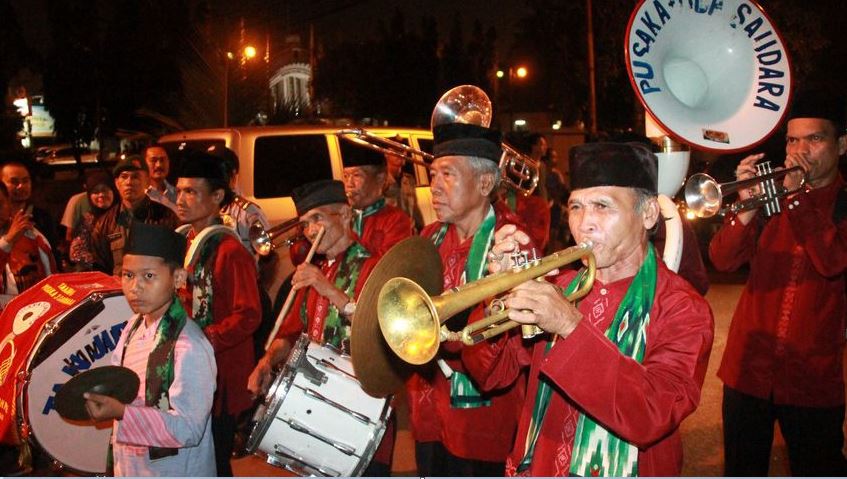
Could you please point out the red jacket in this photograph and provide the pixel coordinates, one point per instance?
(236, 312)
(484, 433)
(643, 403)
(787, 334)
(384, 229)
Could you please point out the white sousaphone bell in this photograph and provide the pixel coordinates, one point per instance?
(714, 75)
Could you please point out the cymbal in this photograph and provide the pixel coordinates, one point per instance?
(116, 381)
(378, 369)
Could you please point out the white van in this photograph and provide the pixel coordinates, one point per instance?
(276, 159)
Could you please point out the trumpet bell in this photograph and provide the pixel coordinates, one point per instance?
(409, 321)
(703, 195)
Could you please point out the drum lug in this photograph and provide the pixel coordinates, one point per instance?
(341, 447)
(310, 371)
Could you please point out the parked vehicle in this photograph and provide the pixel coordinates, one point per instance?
(56, 155)
(274, 160)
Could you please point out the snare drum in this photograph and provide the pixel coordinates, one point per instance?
(64, 325)
(318, 420)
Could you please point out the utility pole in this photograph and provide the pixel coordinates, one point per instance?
(592, 86)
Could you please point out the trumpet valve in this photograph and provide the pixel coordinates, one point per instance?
(529, 331)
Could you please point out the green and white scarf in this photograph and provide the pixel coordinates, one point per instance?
(593, 444)
(463, 392)
(359, 220)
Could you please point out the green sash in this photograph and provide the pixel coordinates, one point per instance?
(463, 393)
(359, 220)
(593, 444)
(335, 325)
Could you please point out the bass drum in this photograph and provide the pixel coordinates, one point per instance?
(318, 421)
(73, 323)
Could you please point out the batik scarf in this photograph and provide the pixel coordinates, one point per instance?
(597, 451)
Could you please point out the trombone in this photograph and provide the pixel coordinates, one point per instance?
(264, 242)
(704, 195)
(462, 104)
(412, 322)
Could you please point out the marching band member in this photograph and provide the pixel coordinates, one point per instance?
(458, 430)
(783, 353)
(378, 225)
(221, 294)
(610, 385)
(326, 294)
(240, 213)
(166, 430)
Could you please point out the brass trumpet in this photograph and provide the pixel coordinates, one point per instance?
(411, 320)
(264, 242)
(704, 195)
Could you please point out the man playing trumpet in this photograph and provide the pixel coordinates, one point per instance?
(459, 430)
(783, 354)
(326, 293)
(611, 383)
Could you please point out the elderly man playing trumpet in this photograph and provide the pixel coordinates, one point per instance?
(617, 373)
(458, 430)
(783, 354)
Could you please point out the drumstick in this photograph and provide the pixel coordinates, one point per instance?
(289, 300)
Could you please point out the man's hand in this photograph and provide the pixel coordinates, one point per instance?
(307, 275)
(746, 169)
(103, 408)
(541, 303)
(19, 224)
(507, 240)
(260, 379)
(794, 180)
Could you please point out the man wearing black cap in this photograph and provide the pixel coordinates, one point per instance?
(619, 371)
(378, 225)
(110, 231)
(166, 429)
(458, 430)
(783, 357)
(240, 214)
(326, 293)
(222, 293)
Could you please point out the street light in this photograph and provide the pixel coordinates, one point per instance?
(511, 73)
(247, 53)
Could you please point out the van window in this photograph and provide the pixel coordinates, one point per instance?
(282, 163)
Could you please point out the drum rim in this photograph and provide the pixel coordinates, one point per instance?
(22, 399)
(286, 375)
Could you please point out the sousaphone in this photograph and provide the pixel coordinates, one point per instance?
(713, 75)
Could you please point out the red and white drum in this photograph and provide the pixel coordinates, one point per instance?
(64, 325)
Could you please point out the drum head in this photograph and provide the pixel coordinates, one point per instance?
(77, 343)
